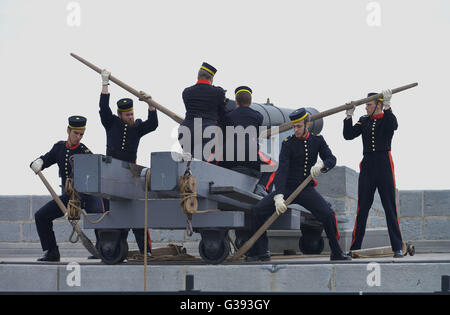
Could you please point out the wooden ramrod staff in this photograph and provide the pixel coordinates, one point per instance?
(288, 125)
(136, 93)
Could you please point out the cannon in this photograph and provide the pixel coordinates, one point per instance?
(226, 193)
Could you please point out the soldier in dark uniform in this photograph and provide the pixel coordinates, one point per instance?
(298, 159)
(246, 156)
(377, 168)
(123, 134)
(205, 107)
(60, 155)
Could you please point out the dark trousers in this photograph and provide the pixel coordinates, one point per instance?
(140, 239)
(377, 172)
(138, 234)
(50, 211)
(311, 200)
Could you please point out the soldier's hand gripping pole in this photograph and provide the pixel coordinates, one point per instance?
(136, 93)
(288, 125)
(84, 239)
(247, 245)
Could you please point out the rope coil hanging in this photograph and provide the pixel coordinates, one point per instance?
(74, 210)
(188, 197)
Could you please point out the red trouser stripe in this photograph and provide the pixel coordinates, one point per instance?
(268, 161)
(356, 218)
(149, 240)
(356, 222)
(337, 227)
(210, 157)
(269, 182)
(395, 187)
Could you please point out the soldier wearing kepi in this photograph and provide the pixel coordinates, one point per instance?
(377, 168)
(123, 134)
(246, 154)
(205, 107)
(60, 155)
(298, 158)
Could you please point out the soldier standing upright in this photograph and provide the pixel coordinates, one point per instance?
(123, 134)
(377, 167)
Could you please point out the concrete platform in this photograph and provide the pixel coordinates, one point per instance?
(421, 273)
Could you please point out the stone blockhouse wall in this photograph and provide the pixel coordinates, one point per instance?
(424, 214)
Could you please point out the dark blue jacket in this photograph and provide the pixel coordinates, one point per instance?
(60, 154)
(377, 132)
(243, 116)
(122, 140)
(297, 156)
(205, 101)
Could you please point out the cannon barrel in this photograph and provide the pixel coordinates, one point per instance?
(277, 116)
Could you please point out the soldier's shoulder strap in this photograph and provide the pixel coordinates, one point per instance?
(288, 138)
(84, 148)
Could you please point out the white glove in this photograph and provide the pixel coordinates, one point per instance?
(36, 165)
(387, 94)
(143, 96)
(280, 206)
(315, 170)
(350, 111)
(105, 77)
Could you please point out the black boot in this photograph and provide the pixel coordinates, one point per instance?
(149, 252)
(398, 254)
(51, 255)
(339, 256)
(262, 257)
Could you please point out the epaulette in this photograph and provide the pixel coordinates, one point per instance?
(84, 149)
(60, 142)
(290, 137)
(363, 118)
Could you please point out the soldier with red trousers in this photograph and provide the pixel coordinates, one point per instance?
(377, 168)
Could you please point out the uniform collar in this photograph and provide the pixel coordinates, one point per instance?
(203, 82)
(72, 147)
(304, 138)
(377, 116)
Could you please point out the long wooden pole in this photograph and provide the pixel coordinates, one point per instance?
(136, 93)
(84, 239)
(147, 183)
(247, 245)
(288, 125)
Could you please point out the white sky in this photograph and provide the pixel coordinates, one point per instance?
(317, 54)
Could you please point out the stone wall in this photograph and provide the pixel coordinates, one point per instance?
(18, 228)
(424, 216)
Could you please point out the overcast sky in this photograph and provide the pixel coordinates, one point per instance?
(317, 54)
